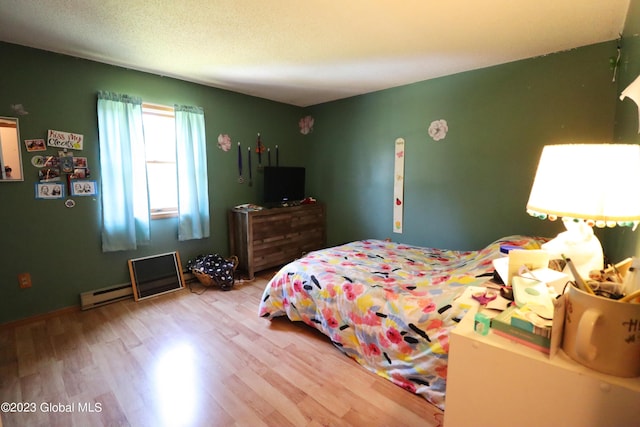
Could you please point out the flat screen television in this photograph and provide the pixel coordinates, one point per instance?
(283, 184)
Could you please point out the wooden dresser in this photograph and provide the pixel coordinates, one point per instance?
(272, 237)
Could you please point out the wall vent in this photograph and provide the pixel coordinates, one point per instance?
(104, 296)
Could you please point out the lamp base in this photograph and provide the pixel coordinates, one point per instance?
(580, 245)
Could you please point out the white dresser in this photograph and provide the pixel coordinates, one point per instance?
(493, 381)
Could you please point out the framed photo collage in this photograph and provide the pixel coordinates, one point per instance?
(62, 174)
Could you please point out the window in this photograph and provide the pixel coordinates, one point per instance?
(126, 203)
(160, 153)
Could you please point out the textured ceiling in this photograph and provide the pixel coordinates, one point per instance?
(312, 51)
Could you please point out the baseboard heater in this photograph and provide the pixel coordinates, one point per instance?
(104, 296)
(100, 297)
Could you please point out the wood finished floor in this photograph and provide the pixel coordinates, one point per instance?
(183, 359)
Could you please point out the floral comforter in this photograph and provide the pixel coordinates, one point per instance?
(389, 306)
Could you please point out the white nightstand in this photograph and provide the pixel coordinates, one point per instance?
(493, 381)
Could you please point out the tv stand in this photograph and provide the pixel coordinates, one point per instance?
(273, 237)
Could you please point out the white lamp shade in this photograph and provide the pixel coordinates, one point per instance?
(597, 182)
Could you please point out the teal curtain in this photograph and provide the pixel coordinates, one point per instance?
(123, 171)
(191, 161)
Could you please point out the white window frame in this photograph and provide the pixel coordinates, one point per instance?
(164, 111)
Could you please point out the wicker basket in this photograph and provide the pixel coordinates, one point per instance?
(207, 280)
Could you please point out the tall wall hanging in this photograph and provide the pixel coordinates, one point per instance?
(398, 186)
(249, 166)
(240, 177)
(259, 150)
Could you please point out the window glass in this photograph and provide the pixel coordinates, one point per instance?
(160, 151)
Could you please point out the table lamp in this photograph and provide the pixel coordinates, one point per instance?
(586, 185)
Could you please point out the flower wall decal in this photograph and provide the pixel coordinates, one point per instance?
(224, 142)
(438, 129)
(306, 125)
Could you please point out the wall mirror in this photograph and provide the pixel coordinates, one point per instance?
(10, 152)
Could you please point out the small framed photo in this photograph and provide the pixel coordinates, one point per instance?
(35, 144)
(79, 162)
(49, 190)
(51, 161)
(84, 188)
(49, 174)
(80, 173)
(66, 164)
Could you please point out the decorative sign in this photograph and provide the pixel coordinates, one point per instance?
(398, 186)
(56, 138)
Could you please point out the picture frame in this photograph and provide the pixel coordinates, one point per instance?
(80, 173)
(51, 161)
(49, 190)
(37, 161)
(84, 187)
(49, 174)
(35, 144)
(79, 162)
(66, 164)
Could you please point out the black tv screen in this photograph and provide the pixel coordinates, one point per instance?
(155, 275)
(283, 184)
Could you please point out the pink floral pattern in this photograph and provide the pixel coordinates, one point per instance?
(224, 142)
(438, 129)
(389, 306)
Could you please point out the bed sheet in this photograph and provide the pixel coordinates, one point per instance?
(387, 305)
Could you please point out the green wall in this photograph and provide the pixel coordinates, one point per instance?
(465, 191)
(461, 193)
(61, 247)
(623, 242)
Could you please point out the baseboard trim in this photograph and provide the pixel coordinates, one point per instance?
(188, 277)
(39, 317)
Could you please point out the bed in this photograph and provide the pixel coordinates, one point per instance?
(387, 305)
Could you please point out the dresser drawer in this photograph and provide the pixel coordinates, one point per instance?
(273, 237)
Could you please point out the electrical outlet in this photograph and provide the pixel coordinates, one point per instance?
(24, 280)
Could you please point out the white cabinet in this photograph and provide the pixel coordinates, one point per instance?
(493, 381)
